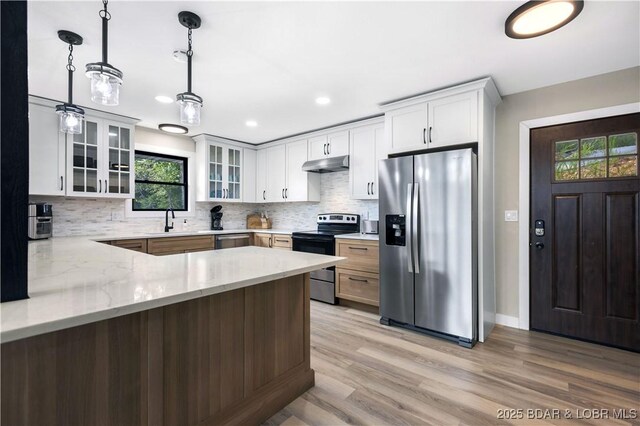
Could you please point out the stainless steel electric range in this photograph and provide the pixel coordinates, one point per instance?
(322, 241)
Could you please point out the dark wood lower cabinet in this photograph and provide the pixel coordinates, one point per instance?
(232, 358)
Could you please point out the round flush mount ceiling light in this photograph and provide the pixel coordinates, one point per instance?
(251, 123)
(323, 100)
(536, 18)
(164, 99)
(173, 128)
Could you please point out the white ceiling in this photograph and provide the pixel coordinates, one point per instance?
(268, 61)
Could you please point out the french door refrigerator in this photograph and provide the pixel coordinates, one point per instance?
(428, 250)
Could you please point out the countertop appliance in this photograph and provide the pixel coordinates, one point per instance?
(40, 221)
(428, 255)
(216, 218)
(370, 227)
(232, 240)
(322, 241)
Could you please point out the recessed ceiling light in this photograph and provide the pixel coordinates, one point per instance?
(173, 128)
(535, 18)
(251, 123)
(323, 100)
(164, 99)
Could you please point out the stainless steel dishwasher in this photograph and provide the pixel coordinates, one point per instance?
(232, 240)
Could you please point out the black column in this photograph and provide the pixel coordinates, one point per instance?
(14, 152)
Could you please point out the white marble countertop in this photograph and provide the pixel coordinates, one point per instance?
(188, 233)
(359, 236)
(76, 280)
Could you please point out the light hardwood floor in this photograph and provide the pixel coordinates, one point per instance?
(370, 374)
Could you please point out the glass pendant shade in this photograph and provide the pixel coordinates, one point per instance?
(105, 87)
(71, 118)
(190, 106)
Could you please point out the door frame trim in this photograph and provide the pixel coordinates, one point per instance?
(524, 189)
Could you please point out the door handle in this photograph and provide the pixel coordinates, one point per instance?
(283, 193)
(358, 248)
(61, 183)
(414, 228)
(286, 193)
(372, 191)
(100, 185)
(106, 187)
(539, 245)
(264, 195)
(324, 149)
(424, 136)
(359, 280)
(329, 148)
(409, 233)
(430, 129)
(368, 191)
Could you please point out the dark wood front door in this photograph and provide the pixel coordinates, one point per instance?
(585, 269)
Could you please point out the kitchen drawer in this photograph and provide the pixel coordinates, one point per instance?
(262, 240)
(136, 245)
(361, 255)
(361, 287)
(173, 245)
(281, 241)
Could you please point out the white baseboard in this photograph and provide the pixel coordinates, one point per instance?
(507, 320)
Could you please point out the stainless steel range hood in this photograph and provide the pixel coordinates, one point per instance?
(326, 165)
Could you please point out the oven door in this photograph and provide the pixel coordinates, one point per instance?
(322, 283)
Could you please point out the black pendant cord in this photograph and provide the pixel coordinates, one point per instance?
(189, 57)
(105, 16)
(70, 69)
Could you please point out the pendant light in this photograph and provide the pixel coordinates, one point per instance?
(105, 78)
(538, 17)
(190, 103)
(71, 115)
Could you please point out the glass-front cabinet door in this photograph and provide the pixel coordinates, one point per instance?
(85, 159)
(119, 157)
(233, 179)
(216, 165)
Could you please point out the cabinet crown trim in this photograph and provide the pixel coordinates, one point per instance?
(486, 84)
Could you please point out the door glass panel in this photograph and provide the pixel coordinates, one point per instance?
(124, 183)
(592, 169)
(92, 133)
(113, 182)
(124, 138)
(78, 180)
(623, 144)
(124, 160)
(78, 155)
(567, 170)
(623, 166)
(113, 159)
(113, 137)
(79, 137)
(92, 181)
(92, 157)
(567, 150)
(593, 147)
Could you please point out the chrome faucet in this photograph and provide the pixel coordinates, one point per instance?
(166, 220)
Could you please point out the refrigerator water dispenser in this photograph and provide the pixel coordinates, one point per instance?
(395, 230)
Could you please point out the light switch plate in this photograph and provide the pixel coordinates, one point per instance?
(511, 215)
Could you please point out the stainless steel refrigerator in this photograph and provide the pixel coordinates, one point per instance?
(428, 250)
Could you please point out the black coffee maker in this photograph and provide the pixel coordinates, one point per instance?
(216, 218)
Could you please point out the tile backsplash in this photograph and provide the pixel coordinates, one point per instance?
(80, 216)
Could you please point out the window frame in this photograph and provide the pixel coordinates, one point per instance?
(185, 184)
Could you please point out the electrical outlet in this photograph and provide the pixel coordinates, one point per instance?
(511, 215)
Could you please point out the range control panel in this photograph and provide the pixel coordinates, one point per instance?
(331, 218)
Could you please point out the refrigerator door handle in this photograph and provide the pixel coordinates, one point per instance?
(414, 229)
(409, 233)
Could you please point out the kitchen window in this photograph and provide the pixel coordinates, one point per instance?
(161, 182)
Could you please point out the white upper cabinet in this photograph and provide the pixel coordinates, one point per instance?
(261, 175)
(453, 120)
(297, 180)
(46, 152)
(219, 171)
(330, 145)
(367, 146)
(276, 173)
(249, 176)
(96, 163)
(432, 121)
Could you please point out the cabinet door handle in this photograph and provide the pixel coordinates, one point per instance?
(358, 248)
(264, 195)
(286, 193)
(358, 279)
(61, 183)
(424, 136)
(283, 193)
(372, 192)
(100, 185)
(270, 243)
(368, 185)
(329, 148)
(324, 149)
(430, 129)
(282, 241)
(106, 187)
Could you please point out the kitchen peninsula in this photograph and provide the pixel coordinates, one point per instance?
(113, 336)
